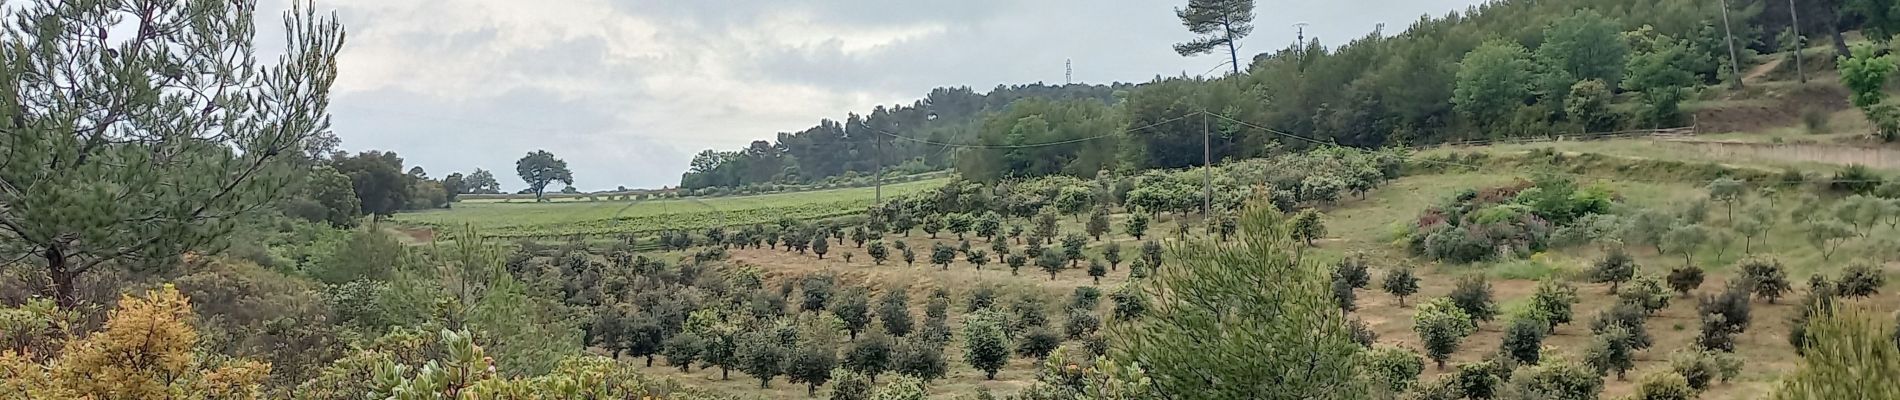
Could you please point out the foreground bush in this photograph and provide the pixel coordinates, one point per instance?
(1849, 354)
(1253, 322)
(147, 351)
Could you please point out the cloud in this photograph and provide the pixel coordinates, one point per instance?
(628, 90)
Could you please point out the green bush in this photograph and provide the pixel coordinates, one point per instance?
(1852, 356)
(1860, 280)
(1855, 178)
(1664, 385)
(1524, 339)
(1473, 295)
(1815, 120)
(1395, 368)
(1553, 380)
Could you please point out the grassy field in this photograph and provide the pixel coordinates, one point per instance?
(561, 219)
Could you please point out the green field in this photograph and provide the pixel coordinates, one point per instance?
(560, 219)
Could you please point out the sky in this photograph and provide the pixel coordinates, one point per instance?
(626, 91)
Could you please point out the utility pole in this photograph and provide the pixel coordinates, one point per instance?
(1207, 170)
(1734, 64)
(1299, 42)
(877, 178)
(1800, 42)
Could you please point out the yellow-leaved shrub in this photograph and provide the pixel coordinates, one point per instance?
(146, 351)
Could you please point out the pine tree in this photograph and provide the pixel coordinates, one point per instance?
(166, 138)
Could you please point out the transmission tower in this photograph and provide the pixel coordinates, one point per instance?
(1068, 71)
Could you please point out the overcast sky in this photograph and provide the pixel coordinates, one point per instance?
(628, 90)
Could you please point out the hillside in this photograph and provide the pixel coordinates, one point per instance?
(1416, 86)
(1523, 200)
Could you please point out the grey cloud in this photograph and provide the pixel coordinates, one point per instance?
(445, 135)
(579, 99)
(448, 41)
(719, 15)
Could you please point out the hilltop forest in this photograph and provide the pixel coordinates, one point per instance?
(1501, 69)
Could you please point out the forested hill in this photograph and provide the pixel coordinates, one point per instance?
(847, 148)
(1506, 68)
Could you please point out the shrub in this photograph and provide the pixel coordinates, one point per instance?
(904, 388)
(1701, 367)
(1441, 325)
(1352, 270)
(1628, 318)
(1886, 119)
(1610, 351)
(1615, 268)
(1395, 368)
(1400, 283)
(1684, 279)
(1473, 295)
(1524, 339)
(1081, 323)
(1478, 380)
(1129, 302)
(1818, 302)
(986, 342)
(811, 364)
(869, 356)
(1724, 316)
(1457, 245)
(1085, 298)
(1362, 333)
(1859, 280)
(1038, 343)
(1815, 120)
(1768, 279)
(1855, 178)
(1552, 302)
(980, 298)
(1343, 296)
(1664, 385)
(1648, 293)
(918, 359)
(1555, 380)
(849, 385)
